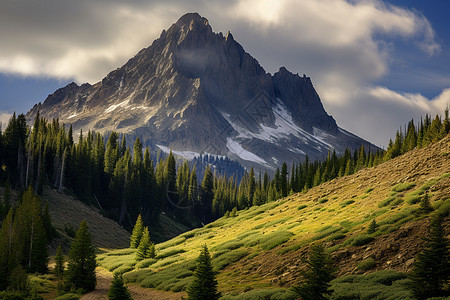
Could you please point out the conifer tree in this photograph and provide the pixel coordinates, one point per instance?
(146, 248)
(204, 286)
(81, 267)
(432, 267)
(320, 271)
(118, 291)
(372, 227)
(425, 205)
(30, 233)
(8, 250)
(138, 230)
(207, 195)
(59, 263)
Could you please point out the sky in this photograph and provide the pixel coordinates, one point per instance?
(375, 64)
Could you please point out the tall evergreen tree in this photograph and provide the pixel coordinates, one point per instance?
(118, 291)
(320, 271)
(138, 230)
(146, 248)
(8, 250)
(431, 268)
(59, 263)
(81, 267)
(204, 286)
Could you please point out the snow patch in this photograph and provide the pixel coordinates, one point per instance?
(237, 149)
(284, 126)
(189, 155)
(72, 116)
(114, 106)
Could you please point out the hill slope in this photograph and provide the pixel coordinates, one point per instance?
(261, 247)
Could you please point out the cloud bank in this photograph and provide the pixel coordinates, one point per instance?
(344, 46)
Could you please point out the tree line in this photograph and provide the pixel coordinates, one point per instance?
(124, 182)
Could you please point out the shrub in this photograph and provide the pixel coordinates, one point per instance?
(346, 203)
(401, 187)
(386, 201)
(227, 258)
(397, 201)
(229, 245)
(324, 200)
(362, 239)
(170, 253)
(275, 239)
(273, 294)
(302, 207)
(366, 264)
(369, 190)
(378, 285)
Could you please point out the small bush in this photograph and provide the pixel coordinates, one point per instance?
(336, 236)
(324, 200)
(396, 202)
(272, 294)
(275, 239)
(229, 245)
(346, 203)
(369, 190)
(361, 240)
(170, 253)
(378, 285)
(401, 187)
(386, 201)
(366, 264)
(302, 207)
(227, 258)
(413, 199)
(145, 263)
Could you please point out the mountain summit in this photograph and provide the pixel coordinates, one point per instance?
(196, 92)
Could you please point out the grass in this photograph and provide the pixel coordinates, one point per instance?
(242, 244)
(227, 258)
(170, 252)
(273, 294)
(386, 201)
(347, 203)
(366, 264)
(361, 240)
(378, 285)
(302, 207)
(401, 187)
(275, 239)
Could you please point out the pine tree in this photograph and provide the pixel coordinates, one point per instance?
(118, 291)
(59, 263)
(204, 286)
(138, 230)
(425, 206)
(318, 276)
(372, 227)
(8, 249)
(81, 268)
(146, 248)
(432, 268)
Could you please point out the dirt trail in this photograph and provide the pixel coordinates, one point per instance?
(104, 278)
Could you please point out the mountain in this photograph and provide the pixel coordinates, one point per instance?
(198, 92)
(260, 250)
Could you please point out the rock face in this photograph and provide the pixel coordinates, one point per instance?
(195, 91)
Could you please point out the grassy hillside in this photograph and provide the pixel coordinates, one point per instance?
(67, 213)
(262, 247)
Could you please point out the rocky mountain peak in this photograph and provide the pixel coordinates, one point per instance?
(196, 92)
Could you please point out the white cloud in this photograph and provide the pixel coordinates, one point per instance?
(344, 46)
(377, 112)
